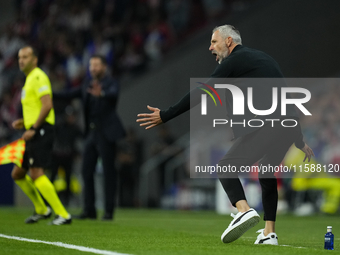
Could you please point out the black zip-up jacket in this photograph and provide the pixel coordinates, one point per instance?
(102, 110)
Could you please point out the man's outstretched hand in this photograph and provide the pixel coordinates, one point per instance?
(150, 120)
(308, 152)
(95, 89)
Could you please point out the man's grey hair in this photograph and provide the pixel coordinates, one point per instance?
(229, 30)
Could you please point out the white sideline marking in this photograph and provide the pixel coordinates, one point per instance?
(286, 245)
(64, 245)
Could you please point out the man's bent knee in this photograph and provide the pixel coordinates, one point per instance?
(18, 173)
(36, 172)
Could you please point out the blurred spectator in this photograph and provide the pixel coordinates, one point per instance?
(133, 60)
(98, 46)
(130, 158)
(164, 148)
(159, 39)
(73, 65)
(178, 12)
(8, 111)
(79, 18)
(153, 44)
(8, 114)
(64, 151)
(9, 46)
(314, 180)
(214, 8)
(58, 78)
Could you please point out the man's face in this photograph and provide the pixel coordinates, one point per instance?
(27, 61)
(97, 68)
(218, 47)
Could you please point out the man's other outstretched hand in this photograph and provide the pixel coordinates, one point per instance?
(150, 120)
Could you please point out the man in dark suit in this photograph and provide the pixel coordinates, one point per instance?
(265, 144)
(103, 128)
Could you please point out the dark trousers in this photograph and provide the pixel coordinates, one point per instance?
(268, 145)
(96, 145)
(65, 161)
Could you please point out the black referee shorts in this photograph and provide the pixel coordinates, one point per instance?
(38, 151)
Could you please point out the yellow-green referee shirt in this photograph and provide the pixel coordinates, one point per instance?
(37, 85)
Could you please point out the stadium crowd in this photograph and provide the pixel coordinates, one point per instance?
(133, 35)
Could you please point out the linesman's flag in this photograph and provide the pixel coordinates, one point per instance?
(13, 153)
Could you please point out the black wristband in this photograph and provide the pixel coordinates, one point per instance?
(32, 128)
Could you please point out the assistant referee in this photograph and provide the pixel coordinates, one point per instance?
(38, 120)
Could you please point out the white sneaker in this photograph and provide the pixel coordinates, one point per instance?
(271, 238)
(242, 222)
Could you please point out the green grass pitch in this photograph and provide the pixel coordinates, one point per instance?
(156, 232)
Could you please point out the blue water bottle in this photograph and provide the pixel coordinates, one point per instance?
(329, 239)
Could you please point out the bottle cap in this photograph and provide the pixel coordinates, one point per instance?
(329, 226)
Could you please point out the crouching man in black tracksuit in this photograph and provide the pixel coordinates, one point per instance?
(267, 144)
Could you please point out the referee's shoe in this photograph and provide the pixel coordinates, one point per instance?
(58, 220)
(242, 222)
(36, 217)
